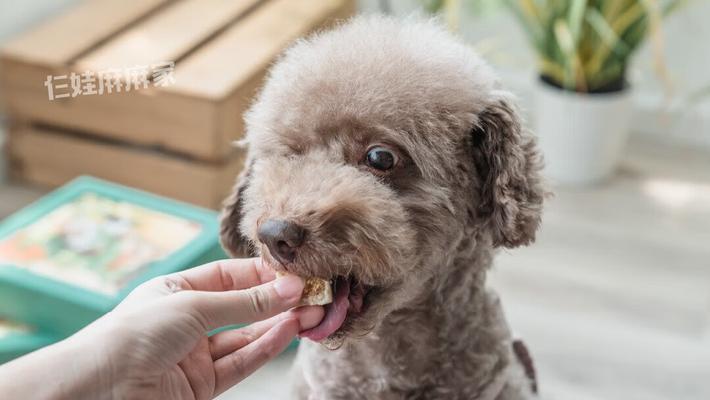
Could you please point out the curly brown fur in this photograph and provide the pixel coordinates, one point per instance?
(423, 235)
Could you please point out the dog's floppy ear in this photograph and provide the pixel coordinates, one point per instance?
(230, 235)
(508, 166)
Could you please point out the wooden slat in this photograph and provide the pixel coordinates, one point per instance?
(181, 123)
(184, 118)
(168, 35)
(247, 48)
(61, 39)
(49, 158)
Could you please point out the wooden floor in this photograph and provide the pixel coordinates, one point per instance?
(613, 299)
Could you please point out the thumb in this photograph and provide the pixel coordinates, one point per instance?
(217, 309)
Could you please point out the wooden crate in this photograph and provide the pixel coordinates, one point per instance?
(221, 49)
(50, 158)
(174, 140)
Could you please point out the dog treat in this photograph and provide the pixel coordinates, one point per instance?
(316, 292)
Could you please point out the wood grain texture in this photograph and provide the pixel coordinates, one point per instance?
(167, 36)
(48, 158)
(247, 48)
(60, 40)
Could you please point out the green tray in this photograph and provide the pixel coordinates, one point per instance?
(46, 298)
(17, 342)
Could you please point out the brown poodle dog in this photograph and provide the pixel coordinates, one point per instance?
(383, 155)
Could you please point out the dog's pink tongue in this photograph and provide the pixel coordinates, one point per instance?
(335, 314)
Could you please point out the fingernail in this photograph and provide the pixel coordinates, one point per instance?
(289, 287)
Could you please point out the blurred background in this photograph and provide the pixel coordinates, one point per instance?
(614, 297)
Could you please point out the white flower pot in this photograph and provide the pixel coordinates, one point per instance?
(581, 135)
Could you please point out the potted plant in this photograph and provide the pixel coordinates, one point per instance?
(583, 106)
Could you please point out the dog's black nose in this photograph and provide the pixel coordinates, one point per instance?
(282, 238)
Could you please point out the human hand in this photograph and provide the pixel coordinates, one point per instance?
(154, 344)
(164, 350)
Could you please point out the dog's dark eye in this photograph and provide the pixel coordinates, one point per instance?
(381, 158)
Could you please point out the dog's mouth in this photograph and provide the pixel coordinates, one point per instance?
(351, 299)
(349, 302)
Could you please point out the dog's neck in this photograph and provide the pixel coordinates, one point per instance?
(454, 300)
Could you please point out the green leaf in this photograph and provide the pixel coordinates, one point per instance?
(575, 18)
(566, 43)
(564, 36)
(433, 6)
(606, 33)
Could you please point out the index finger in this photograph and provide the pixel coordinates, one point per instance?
(223, 275)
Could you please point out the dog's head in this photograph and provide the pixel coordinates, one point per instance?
(379, 152)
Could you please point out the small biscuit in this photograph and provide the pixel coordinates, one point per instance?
(316, 292)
